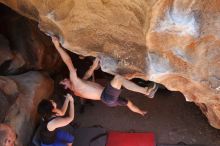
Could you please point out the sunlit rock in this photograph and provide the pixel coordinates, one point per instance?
(172, 42)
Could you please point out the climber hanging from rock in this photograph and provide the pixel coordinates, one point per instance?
(109, 95)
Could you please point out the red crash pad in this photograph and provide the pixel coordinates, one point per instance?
(130, 139)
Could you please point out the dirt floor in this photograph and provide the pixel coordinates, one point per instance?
(170, 117)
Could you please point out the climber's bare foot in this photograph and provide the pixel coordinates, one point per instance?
(143, 113)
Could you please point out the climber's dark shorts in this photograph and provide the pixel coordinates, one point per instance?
(111, 97)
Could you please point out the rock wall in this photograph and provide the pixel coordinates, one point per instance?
(27, 57)
(184, 50)
(7, 135)
(24, 47)
(172, 42)
(25, 92)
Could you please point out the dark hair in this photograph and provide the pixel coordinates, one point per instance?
(45, 108)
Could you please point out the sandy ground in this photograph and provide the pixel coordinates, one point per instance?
(170, 117)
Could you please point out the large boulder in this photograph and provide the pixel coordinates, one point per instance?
(95, 27)
(172, 42)
(184, 51)
(21, 95)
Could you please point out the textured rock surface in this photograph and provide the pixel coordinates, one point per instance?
(5, 52)
(184, 50)
(25, 92)
(173, 42)
(7, 135)
(8, 95)
(23, 46)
